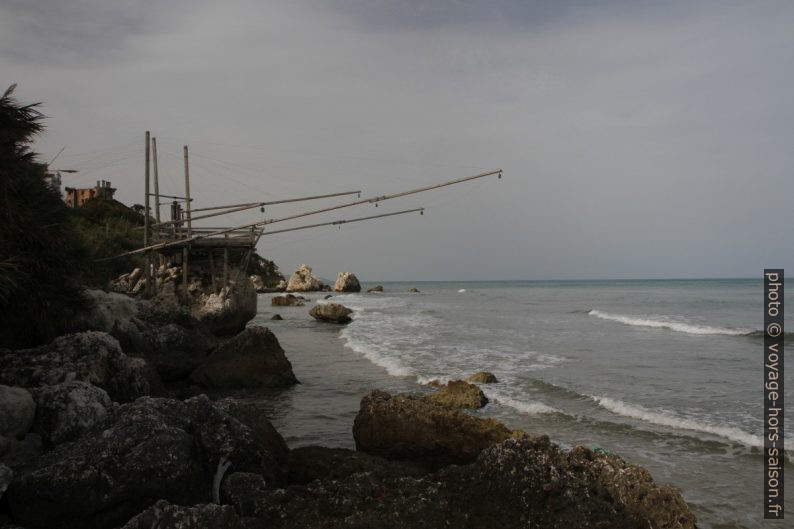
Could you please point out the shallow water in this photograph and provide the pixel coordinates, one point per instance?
(665, 373)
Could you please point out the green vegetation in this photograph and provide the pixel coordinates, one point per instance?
(41, 253)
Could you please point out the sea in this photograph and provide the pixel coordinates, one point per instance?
(665, 373)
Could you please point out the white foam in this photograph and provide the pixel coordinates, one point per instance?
(659, 323)
(461, 291)
(666, 419)
(530, 408)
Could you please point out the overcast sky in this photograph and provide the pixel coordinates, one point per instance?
(638, 139)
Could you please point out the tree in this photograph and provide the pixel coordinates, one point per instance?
(40, 252)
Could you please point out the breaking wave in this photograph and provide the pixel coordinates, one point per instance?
(689, 328)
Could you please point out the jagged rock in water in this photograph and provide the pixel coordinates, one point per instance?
(226, 312)
(153, 449)
(483, 377)
(459, 394)
(254, 417)
(347, 282)
(65, 411)
(331, 313)
(377, 288)
(93, 357)
(413, 290)
(252, 359)
(17, 410)
(302, 280)
(287, 300)
(276, 317)
(414, 428)
(165, 515)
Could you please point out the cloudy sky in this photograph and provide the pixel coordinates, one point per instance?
(638, 139)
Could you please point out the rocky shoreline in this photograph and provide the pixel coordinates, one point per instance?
(128, 422)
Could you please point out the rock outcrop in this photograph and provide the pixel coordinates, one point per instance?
(153, 449)
(309, 463)
(347, 282)
(331, 313)
(459, 394)
(287, 300)
(93, 357)
(252, 359)
(66, 411)
(258, 283)
(302, 280)
(483, 377)
(377, 288)
(413, 428)
(226, 312)
(17, 410)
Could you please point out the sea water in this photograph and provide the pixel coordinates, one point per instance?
(667, 374)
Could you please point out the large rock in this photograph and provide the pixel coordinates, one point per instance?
(93, 357)
(413, 428)
(309, 463)
(347, 282)
(252, 359)
(164, 515)
(302, 280)
(17, 410)
(287, 300)
(257, 282)
(483, 377)
(377, 288)
(153, 449)
(459, 394)
(66, 411)
(226, 312)
(331, 313)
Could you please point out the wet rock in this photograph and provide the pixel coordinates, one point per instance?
(287, 300)
(331, 313)
(302, 280)
(164, 515)
(347, 282)
(250, 414)
(227, 312)
(414, 428)
(153, 449)
(483, 377)
(413, 290)
(329, 296)
(65, 411)
(93, 357)
(459, 394)
(252, 359)
(377, 288)
(276, 317)
(17, 410)
(309, 463)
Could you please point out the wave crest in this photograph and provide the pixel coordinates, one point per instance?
(689, 328)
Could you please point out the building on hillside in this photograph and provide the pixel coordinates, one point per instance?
(76, 197)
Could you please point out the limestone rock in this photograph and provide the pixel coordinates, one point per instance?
(251, 359)
(459, 394)
(347, 282)
(93, 357)
(17, 410)
(257, 282)
(164, 515)
(287, 300)
(377, 288)
(413, 428)
(154, 449)
(302, 280)
(281, 286)
(66, 411)
(226, 312)
(331, 312)
(483, 377)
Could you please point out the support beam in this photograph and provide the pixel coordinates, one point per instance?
(147, 212)
(187, 196)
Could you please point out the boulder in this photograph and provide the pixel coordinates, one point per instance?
(329, 296)
(302, 280)
(93, 357)
(459, 394)
(414, 428)
(378, 288)
(153, 449)
(287, 300)
(252, 359)
(309, 463)
(165, 515)
(276, 317)
(17, 410)
(65, 411)
(245, 491)
(413, 290)
(257, 282)
(347, 282)
(281, 286)
(331, 313)
(483, 377)
(225, 313)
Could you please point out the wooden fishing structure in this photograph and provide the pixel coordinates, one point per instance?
(226, 251)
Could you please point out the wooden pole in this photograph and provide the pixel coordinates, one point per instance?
(187, 195)
(226, 261)
(156, 182)
(184, 272)
(212, 272)
(147, 210)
